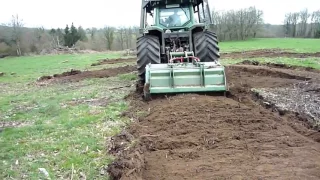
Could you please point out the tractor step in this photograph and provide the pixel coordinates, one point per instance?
(185, 77)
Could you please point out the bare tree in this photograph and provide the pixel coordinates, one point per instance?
(241, 15)
(258, 21)
(291, 21)
(315, 25)
(121, 36)
(304, 16)
(109, 36)
(17, 26)
(295, 19)
(135, 31)
(92, 32)
(235, 25)
(128, 37)
(55, 38)
(38, 34)
(297, 24)
(288, 24)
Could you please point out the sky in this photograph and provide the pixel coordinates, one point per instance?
(99, 13)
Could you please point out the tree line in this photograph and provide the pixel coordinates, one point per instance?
(248, 23)
(241, 24)
(237, 24)
(302, 24)
(15, 39)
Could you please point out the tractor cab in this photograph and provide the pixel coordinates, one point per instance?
(174, 15)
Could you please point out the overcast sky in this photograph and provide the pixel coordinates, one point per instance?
(98, 13)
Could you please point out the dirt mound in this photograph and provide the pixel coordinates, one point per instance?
(70, 73)
(76, 75)
(267, 53)
(282, 66)
(241, 78)
(204, 137)
(268, 72)
(113, 61)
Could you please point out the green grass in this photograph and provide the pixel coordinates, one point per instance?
(65, 126)
(295, 45)
(128, 77)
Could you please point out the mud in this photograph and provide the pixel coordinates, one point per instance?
(196, 136)
(76, 75)
(267, 53)
(113, 61)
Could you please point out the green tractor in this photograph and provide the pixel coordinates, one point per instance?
(176, 52)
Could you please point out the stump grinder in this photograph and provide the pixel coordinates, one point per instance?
(177, 52)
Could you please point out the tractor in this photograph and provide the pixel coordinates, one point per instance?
(177, 52)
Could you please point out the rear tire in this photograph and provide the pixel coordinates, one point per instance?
(148, 51)
(206, 46)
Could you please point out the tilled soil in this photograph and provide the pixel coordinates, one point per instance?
(267, 53)
(76, 75)
(197, 136)
(113, 61)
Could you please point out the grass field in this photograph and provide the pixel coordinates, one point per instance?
(63, 127)
(293, 45)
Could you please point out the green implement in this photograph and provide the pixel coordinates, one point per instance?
(184, 76)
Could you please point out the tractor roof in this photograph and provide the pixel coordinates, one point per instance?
(151, 4)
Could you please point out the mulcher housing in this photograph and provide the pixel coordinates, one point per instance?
(178, 54)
